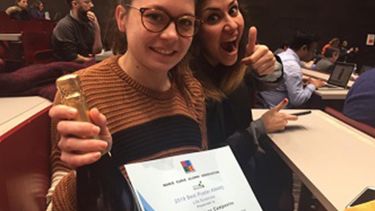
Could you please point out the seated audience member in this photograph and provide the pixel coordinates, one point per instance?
(360, 101)
(303, 48)
(19, 11)
(327, 63)
(282, 48)
(344, 51)
(36, 10)
(333, 43)
(77, 37)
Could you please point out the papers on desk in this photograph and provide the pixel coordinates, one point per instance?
(208, 180)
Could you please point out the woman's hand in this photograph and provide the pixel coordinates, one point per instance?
(259, 57)
(274, 120)
(77, 145)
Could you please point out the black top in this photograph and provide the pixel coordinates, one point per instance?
(71, 37)
(230, 121)
(20, 15)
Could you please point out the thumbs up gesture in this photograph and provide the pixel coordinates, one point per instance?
(259, 57)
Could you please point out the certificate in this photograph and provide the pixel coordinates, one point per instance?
(205, 181)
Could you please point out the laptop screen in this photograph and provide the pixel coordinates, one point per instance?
(341, 74)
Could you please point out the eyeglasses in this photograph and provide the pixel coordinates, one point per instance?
(156, 20)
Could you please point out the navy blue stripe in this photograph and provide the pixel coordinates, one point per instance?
(155, 136)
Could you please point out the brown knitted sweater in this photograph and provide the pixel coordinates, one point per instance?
(145, 124)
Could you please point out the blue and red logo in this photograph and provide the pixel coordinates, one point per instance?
(188, 167)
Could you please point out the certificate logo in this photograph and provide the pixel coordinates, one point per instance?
(199, 186)
(188, 167)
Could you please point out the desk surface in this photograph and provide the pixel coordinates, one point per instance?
(10, 36)
(332, 94)
(334, 160)
(15, 110)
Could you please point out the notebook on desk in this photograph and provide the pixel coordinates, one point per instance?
(340, 75)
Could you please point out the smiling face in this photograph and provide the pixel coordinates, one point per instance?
(154, 51)
(221, 31)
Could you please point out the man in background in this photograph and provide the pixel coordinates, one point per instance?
(77, 37)
(303, 47)
(327, 63)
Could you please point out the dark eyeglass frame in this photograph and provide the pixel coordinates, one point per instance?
(142, 10)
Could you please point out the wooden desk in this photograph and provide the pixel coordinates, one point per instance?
(334, 160)
(24, 153)
(332, 94)
(10, 36)
(14, 111)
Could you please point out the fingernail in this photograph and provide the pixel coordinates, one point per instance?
(96, 129)
(104, 145)
(98, 155)
(72, 110)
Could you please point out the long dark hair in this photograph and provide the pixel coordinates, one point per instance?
(219, 81)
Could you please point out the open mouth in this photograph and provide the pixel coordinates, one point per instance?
(229, 46)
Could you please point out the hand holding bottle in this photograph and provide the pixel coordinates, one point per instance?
(77, 148)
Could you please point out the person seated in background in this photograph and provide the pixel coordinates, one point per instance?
(77, 37)
(282, 48)
(333, 43)
(360, 101)
(19, 11)
(344, 51)
(36, 10)
(303, 47)
(327, 63)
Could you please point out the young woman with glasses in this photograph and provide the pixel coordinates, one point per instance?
(231, 71)
(144, 104)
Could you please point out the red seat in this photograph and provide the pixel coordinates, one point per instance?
(37, 47)
(357, 125)
(35, 41)
(36, 26)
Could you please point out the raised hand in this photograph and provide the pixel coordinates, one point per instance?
(92, 17)
(77, 145)
(274, 120)
(259, 57)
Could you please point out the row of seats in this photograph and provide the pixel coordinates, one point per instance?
(35, 44)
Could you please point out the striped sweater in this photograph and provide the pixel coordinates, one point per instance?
(145, 124)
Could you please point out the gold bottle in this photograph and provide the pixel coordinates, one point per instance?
(72, 95)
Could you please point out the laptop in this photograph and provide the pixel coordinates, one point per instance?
(340, 75)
